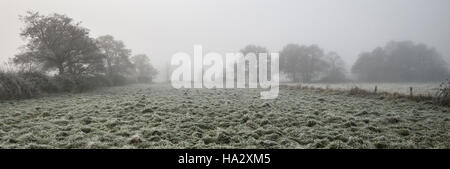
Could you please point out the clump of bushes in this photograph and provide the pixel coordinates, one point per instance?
(358, 91)
(27, 84)
(19, 85)
(39, 80)
(119, 80)
(13, 86)
(77, 83)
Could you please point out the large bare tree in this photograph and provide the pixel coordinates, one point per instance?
(117, 56)
(57, 42)
(302, 62)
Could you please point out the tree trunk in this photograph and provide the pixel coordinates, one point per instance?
(61, 69)
(109, 67)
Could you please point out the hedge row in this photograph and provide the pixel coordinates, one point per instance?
(19, 85)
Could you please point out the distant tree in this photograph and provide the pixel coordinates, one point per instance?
(57, 42)
(117, 57)
(257, 50)
(336, 68)
(302, 62)
(145, 72)
(290, 60)
(401, 62)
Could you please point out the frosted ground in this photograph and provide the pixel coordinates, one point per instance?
(156, 116)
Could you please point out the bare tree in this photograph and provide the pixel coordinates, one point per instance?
(302, 62)
(401, 62)
(145, 72)
(336, 68)
(57, 42)
(117, 57)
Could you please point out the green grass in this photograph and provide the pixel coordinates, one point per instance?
(155, 116)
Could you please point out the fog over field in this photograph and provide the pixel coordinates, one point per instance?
(160, 28)
(208, 74)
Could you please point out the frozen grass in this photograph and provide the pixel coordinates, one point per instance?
(155, 116)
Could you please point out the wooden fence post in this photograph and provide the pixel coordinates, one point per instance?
(411, 91)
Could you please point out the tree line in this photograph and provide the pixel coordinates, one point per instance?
(403, 61)
(397, 61)
(305, 63)
(61, 56)
(57, 43)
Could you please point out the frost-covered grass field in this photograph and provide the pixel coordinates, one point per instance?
(425, 89)
(157, 116)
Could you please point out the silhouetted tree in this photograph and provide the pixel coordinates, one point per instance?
(145, 72)
(302, 62)
(290, 60)
(401, 62)
(57, 42)
(257, 50)
(336, 68)
(117, 58)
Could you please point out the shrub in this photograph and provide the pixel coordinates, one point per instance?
(12, 86)
(143, 79)
(64, 83)
(17, 85)
(39, 80)
(358, 91)
(91, 82)
(76, 83)
(119, 80)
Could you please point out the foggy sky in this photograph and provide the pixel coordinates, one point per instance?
(162, 28)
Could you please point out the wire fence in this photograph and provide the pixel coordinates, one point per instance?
(426, 89)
